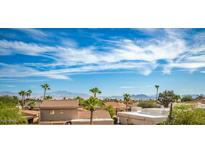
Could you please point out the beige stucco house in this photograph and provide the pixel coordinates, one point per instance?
(58, 111)
(100, 117)
(69, 112)
(31, 116)
(116, 105)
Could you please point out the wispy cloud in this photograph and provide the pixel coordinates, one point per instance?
(143, 56)
(7, 85)
(34, 33)
(13, 71)
(127, 87)
(12, 47)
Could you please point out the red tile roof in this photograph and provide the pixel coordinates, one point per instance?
(30, 112)
(59, 104)
(116, 105)
(98, 114)
(201, 101)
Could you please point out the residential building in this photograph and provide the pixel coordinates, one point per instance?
(100, 117)
(118, 106)
(69, 112)
(58, 111)
(31, 116)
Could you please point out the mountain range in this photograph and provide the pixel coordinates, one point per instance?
(63, 93)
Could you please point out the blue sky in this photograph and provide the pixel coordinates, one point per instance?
(115, 60)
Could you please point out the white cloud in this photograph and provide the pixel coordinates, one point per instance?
(23, 48)
(35, 33)
(12, 71)
(127, 87)
(141, 56)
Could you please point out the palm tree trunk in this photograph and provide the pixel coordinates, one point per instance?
(170, 112)
(22, 102)
(126, 106)
(94, 94)
(44, 95)
(157, 94)
(91, 117)
(24, 99)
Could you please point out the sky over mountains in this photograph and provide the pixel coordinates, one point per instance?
(116, 60)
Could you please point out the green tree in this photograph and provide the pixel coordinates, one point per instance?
(9, 113)
(199, 97)
(9, 99)
(28, 93)
(166, 98)
(48, 97)
(92, 104)
(111, 111)
(22, 93)
(186, 115)
(148, 104)
(80, 99)
(157, 90)
(126, 98)
(95, 91)
(187, 98)
(31, 104)
(45, 87)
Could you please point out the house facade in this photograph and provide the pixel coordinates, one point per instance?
(100, 117)
(58, 111)
(118, 106)
(31, 116)
(69, 112)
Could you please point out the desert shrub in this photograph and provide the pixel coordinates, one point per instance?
(80, 99)
(9, 100)
(31, 104)
(199, 97)
(9, 114)
(167, 97)
(187, 99)
(48, 97)
(186, 115)
(111, 111)
(147, 104)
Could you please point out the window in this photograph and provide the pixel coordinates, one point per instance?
(51, 112)
(61, 112)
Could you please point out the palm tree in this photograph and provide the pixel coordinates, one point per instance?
(92, 104)
(28, 93)
(126, 99)
(22, 93)
(95, 91)
(157, 89)
(45, 87)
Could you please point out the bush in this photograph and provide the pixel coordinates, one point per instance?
(167, 97)
(80, 99)
(9, 114)
(147, 104)
(31, 104)
(111, 111)
(186, 115)
(187, 98)
(48, 97)
(9, 100)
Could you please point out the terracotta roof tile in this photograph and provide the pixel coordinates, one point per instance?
(116, 105)
(98, 114)
(30, 112)
(61, 104)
